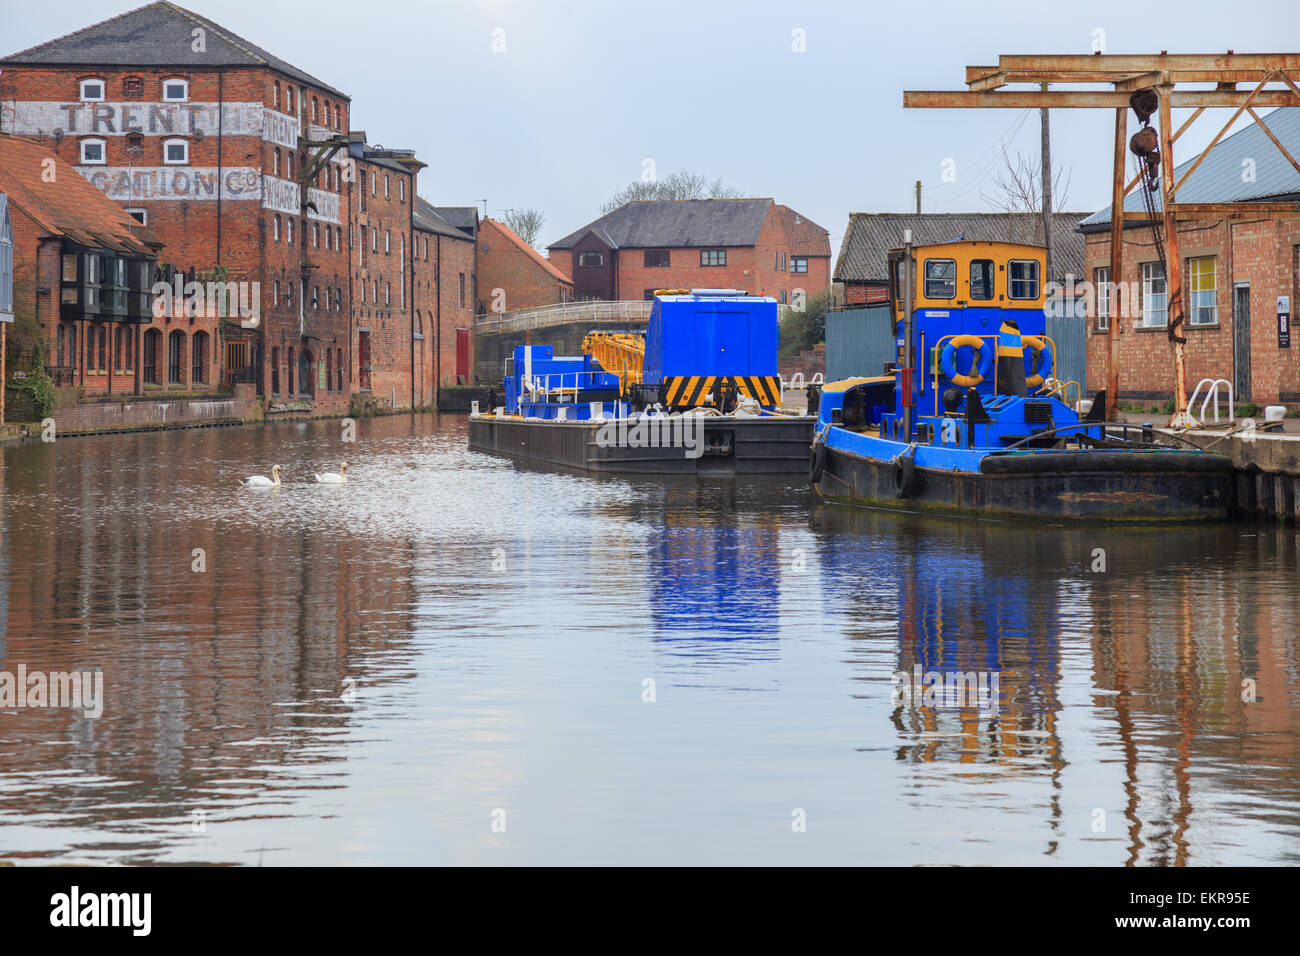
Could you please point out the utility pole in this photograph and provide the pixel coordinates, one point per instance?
(918, 197)
(1047, 187)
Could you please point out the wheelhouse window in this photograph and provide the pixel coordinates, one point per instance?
(799, 265)
(176, 152)
(176, 91)
(1101, 280)
(981, 279)
(1022, 279)
(92, 91)
(713, 257)
(941, 278)
(92, 152)
(1155, 296)
(657, 258)
(1203, 301)
(591, 259)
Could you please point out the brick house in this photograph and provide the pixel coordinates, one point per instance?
(1235, 268)
(232, 157)
(862, 265)
(513, 274)
(756, 245)
(83, 270)
(444, 265)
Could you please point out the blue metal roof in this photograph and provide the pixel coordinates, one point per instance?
(1221, 177)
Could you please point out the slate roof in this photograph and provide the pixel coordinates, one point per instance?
(159, 34)
(464, 218)
(69, 206)
(1220, 177)
(490, 231)
(864, 252)
(660, 223)
(426, 217)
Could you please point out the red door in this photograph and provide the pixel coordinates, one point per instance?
(462, 356)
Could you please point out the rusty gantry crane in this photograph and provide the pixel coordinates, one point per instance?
(1150, 86)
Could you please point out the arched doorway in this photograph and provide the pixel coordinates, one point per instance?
(304, 373)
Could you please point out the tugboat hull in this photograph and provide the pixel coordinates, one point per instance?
(1098, 485)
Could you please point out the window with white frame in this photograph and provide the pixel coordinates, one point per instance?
(1101, 281)
(176, 152)
(1203, 301)
(139, 215)
(92, 91)
(388, 241)
(288, 235)
(176, 90)
(1155, 296)
(401, 189)
(92, 152)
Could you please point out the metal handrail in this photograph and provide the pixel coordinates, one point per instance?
(564, 313)
(1106, 426)
(1212, 392)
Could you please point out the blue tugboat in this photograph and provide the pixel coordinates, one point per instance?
(979, 426)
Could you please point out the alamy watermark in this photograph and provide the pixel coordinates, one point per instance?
(681, 430)
(209, 300)
(947, 690)
(35, 690)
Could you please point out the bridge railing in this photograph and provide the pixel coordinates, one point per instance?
(567, 313)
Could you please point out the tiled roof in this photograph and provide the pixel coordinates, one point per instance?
(69, 205)
(426, 217)
(1222, 176)
(864, 252)
(804, 237)
(159, 34)
(658, 223)
(490, 230)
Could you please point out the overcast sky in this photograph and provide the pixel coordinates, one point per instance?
(584, 92)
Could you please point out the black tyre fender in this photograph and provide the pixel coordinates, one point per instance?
(817, 462)
(904, 476)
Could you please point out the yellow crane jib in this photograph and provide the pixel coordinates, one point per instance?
(619, 353)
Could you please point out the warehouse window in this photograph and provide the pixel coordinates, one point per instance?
(462, 290)
(713, 257)
(176, 152)
(591, 258)
(1204, 304)
(940, 278)
(92, 152)
(139, 215)
(1155, 296)
(288, 237)
(275, 94)
(92, 91)
(133, 86)
(176, 91)
(981, 278)
(1101, 281)
(799, 265)
(657, 258)
(1022, 278)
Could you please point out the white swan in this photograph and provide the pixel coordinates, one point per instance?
(330, 478)
(261, 481)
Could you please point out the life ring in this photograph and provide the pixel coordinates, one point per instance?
(981, 365)
(817, 463)
(1041, 365)
(904, 476)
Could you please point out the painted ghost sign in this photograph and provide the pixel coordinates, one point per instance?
(144, 183)
(152, 119)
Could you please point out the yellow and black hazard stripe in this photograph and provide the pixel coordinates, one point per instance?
(691, 391)
(688, 391)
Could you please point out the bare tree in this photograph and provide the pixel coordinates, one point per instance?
(525, 223)
(680, 184)
(1019, 189)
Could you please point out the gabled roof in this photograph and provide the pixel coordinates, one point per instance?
(159, 34)
(864, 253)
(1221, 177)
(803, 236)
(69, 206)
(660, 223)
(464, 218)
(425, 217)
(491, 231)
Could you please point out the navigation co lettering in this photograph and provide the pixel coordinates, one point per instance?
(161, 182)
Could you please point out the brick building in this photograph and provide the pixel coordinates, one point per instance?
(231, 157)
(513, 274)
(862, 266)
(1235, 269)
(83, 271)
(444, 263)
(756, 245)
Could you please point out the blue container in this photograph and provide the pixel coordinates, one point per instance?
(698, 335)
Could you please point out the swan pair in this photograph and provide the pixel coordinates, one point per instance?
(327, 478)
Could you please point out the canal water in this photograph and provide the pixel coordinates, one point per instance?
(453, 660)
